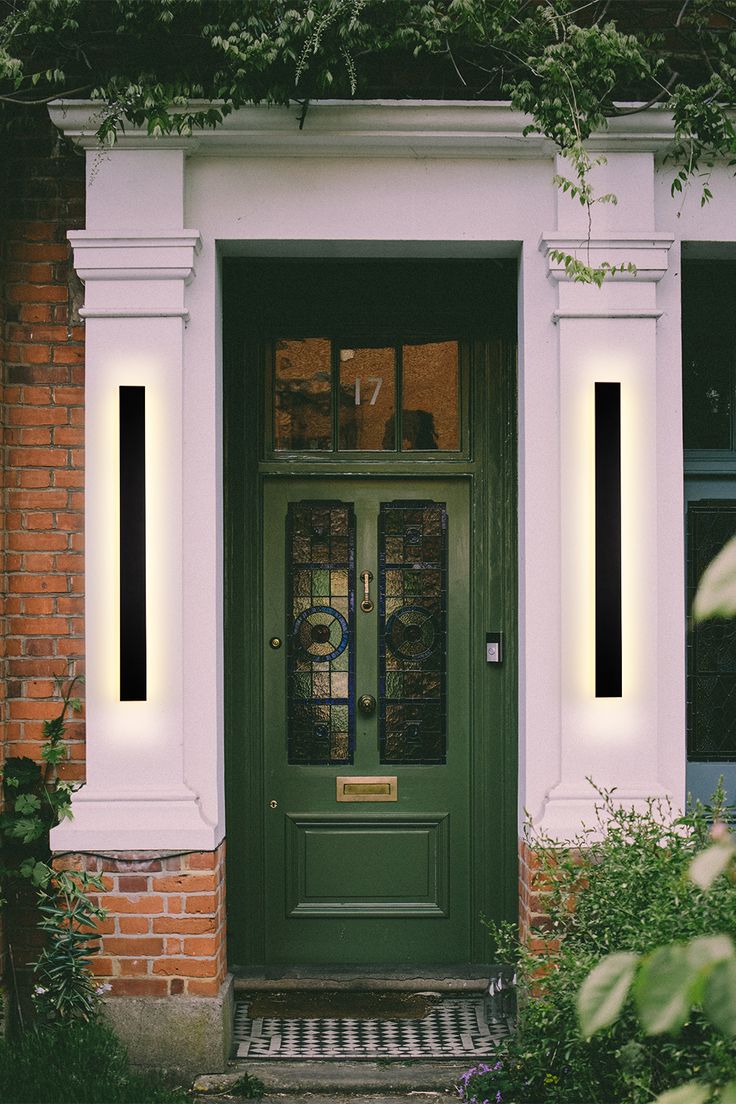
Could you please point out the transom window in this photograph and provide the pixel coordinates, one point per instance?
(376, 396)
(709, 355)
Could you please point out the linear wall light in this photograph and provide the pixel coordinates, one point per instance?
(608, 643)
(133, 544)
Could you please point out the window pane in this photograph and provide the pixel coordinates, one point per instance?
(367, 398)
(302, 395)
(711, 678)
(412, 631)
(430, 407)
(321, 652)
(708, 354)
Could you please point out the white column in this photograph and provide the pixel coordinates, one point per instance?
(136, 260)
(611, 334)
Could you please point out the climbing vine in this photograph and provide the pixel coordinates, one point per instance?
(571, 65)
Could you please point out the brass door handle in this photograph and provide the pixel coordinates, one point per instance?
(367, 604)
(367, 705)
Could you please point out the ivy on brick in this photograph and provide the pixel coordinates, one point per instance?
(36, 799)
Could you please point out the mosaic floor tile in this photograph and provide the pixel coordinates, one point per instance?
(453, 1028)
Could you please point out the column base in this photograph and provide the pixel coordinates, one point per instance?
(118, 821)
(191, 1035)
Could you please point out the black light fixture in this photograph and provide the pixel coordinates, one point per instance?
(608, 642)
(133, 682)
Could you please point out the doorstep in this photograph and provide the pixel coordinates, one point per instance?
(335, 1079)
(415, 978)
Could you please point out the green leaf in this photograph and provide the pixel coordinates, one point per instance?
(716, 596)
(693, 1092)
(27, 803)
(662, 989)
(719, 1000)
(604, 991)
(706, 866)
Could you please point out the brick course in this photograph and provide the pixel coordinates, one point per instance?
(42, 443)
(151, 944)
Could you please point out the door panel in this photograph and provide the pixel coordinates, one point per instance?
(367, 881)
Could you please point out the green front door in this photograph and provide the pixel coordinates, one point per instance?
(367, 719)
(369, 430)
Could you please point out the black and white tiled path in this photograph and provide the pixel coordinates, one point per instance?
(453, 1028)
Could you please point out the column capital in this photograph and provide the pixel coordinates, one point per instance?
(647, 252)
(148, 271)
(623, 294)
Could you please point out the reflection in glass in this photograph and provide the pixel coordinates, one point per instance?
(707, 398)
(302, 418)
(711, 679)
(367, 398)
(708, 361)
(430, 416)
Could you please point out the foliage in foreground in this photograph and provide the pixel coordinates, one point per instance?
(36, 799)
(626, 891)
(689, 976)
(80, 1063)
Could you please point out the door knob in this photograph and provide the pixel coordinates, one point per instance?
(367, 704)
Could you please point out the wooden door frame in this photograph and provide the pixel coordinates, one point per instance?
(494, 748)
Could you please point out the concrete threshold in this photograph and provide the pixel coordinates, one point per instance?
(411, 979)
(338, 1079)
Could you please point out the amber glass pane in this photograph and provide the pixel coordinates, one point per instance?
(302, 418)
(430, 417)
(367, 398)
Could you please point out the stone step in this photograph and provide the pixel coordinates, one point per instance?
(336, 1080)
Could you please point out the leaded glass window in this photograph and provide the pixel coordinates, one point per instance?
(321, 637)
(711, 679)
(353, 396)
(412, 628)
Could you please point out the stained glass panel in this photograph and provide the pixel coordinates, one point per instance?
(711, 679)
(412, 628)
(321, 649)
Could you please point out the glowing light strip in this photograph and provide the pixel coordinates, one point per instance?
(133, 644)
(608, 641)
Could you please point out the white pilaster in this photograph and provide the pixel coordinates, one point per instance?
(611, 334)
(136, 261)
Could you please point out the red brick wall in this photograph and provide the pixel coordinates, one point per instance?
(41, 440)
(42, 446)
(165, 930)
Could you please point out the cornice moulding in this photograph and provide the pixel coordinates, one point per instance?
(389, 128)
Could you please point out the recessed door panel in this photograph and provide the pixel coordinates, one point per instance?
(367, 582)
(386, 866)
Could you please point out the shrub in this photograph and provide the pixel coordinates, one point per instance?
(621, 886)
(77, 1063)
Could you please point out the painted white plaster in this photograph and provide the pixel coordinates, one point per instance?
(394, 180)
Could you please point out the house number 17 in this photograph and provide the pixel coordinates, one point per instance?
(376, 380)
